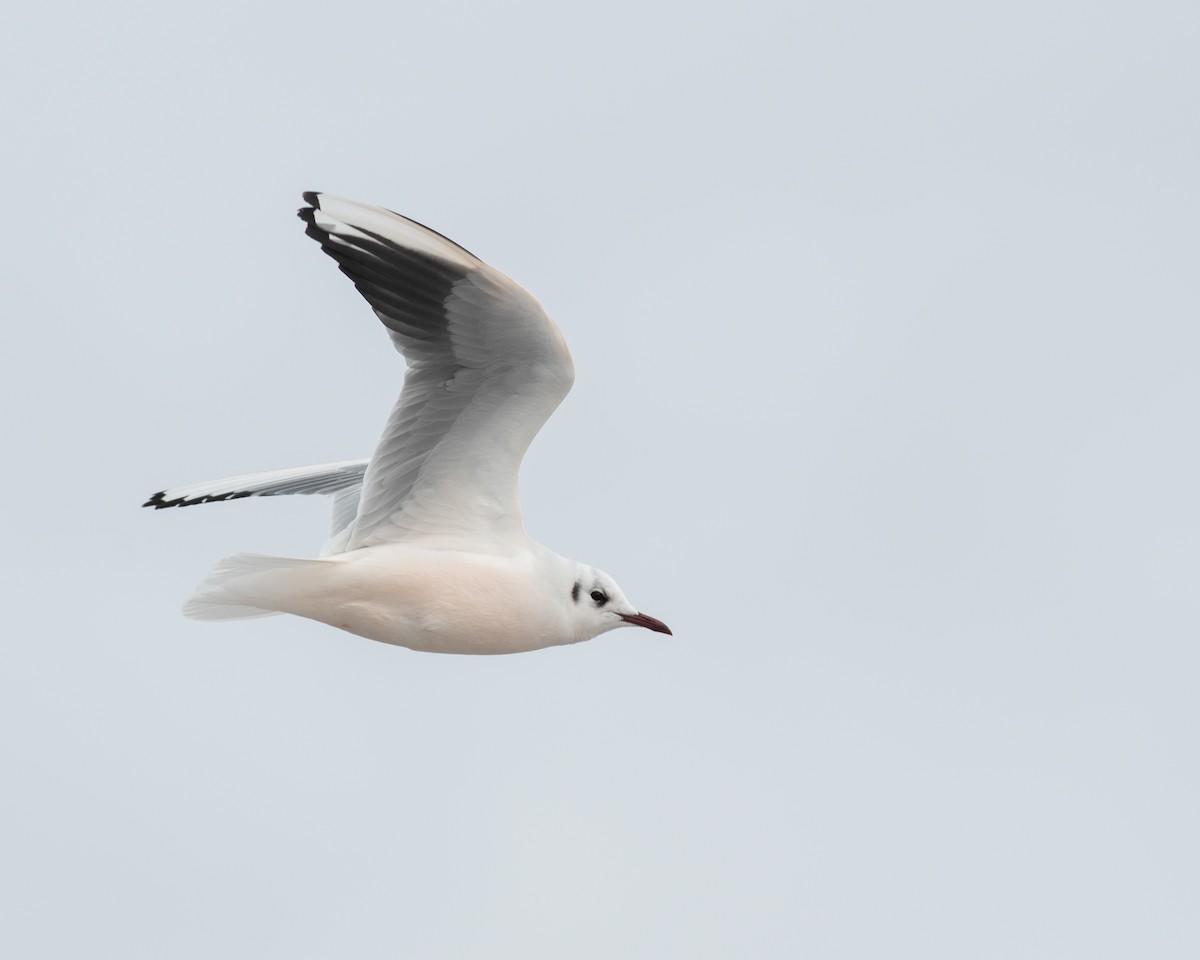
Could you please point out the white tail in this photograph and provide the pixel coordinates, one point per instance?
(239, 587)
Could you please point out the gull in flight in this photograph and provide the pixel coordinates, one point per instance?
(428, 549)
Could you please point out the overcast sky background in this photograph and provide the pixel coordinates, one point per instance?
(885, 323)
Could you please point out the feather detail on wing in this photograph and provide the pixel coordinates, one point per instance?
(486, 368)
(342, 481)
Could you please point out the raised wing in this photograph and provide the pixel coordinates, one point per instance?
(486, 368)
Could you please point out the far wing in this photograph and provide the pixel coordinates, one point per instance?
(342, 481)
(486, 368)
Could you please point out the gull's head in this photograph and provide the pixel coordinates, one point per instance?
(598, 605)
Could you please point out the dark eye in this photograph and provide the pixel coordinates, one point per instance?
(600, 597)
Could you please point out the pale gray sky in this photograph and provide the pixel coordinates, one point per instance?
(885, 321)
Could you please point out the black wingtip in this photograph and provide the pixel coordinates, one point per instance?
(312, 198)
(158, 502)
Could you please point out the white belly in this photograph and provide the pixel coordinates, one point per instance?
(435, 600)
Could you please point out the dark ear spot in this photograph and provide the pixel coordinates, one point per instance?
(575, 592)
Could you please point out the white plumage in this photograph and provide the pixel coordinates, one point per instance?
(428, 548)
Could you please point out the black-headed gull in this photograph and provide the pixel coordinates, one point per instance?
(428, 549)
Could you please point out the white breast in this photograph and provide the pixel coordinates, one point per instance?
(438, 600)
